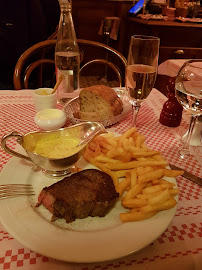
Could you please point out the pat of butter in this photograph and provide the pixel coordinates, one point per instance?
(50, 114)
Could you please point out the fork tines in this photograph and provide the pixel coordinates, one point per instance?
(15, 190)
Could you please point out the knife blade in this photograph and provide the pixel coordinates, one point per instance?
(188, 175)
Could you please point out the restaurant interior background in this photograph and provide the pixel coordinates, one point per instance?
(22, 24)
(26, 22)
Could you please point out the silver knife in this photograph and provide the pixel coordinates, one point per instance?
(188, 175)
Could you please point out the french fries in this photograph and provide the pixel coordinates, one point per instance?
(135, 164)
(137, 172)
(135, 216)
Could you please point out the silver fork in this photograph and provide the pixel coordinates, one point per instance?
(15, 190)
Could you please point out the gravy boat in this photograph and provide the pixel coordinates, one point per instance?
(55, 167)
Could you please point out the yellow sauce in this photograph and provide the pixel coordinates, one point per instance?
(43, 93)
(57, 146)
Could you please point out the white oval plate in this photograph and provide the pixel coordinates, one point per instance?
(86, 240)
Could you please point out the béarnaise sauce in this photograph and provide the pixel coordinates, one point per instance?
(57, 146)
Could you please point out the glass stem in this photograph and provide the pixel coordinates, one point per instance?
(135, 111)
(184, 152)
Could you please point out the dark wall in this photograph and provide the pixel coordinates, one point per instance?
(26, 22)
(22, 24)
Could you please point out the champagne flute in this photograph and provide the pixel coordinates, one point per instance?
(141, 70)
(188, 91)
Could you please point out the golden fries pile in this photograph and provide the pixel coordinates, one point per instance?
(137, 172)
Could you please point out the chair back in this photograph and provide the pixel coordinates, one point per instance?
(100, 64)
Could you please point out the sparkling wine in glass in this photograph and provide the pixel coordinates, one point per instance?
(141, 70)
(188, 91)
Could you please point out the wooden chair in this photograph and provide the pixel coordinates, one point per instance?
(36, 66)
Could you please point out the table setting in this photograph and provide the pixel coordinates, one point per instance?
(178, 246)
(99, 190)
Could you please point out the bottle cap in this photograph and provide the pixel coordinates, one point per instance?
(65, 1)
(65, 4)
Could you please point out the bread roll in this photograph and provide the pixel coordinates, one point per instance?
(99, 103)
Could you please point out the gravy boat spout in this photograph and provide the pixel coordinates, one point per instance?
(55, 152)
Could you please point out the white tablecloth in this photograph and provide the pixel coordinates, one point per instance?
(170, 67)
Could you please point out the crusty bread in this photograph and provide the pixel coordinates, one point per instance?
(98, 103)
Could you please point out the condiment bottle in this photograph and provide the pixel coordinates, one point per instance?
(67, 56)
(171, 114)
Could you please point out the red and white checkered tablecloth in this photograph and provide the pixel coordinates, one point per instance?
(179, 247)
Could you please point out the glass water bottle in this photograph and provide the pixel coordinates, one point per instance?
(67, 57)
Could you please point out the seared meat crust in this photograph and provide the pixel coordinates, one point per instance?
(86, 193)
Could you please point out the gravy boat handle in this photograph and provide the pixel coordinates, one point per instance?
(8, 149)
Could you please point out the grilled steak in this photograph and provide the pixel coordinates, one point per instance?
(86, 193)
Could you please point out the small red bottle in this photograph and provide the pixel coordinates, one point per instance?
(171, 114)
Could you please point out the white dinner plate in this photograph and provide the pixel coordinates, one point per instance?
(86, 240)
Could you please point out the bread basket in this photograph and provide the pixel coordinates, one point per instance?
(72, 109)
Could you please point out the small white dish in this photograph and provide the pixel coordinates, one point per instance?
(50, 119)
